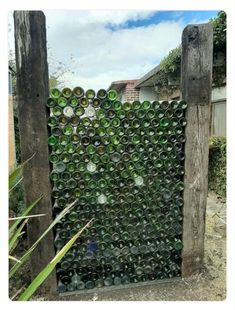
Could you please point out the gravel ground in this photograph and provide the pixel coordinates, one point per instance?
(210, 284)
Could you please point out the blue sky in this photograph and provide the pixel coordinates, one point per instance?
(98, 47)
(160, 16)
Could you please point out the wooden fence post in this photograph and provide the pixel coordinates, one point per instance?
(196, 83)
(32, 91)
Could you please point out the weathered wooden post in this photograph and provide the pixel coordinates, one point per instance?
(196, 83)
(32, 91)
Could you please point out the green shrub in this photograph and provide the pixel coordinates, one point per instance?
(217, 166)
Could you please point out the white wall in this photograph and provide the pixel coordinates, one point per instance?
(121, 95)
(218, 93)
(218, 98)
(218, 127)
(147, 93)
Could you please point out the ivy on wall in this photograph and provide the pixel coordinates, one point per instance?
(217, 166)
(219, 32)
(168, 77)
(219, 48)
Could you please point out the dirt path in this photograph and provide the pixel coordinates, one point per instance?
(209, 285)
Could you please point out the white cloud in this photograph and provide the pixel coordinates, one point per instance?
(115, 17)
(102, 55)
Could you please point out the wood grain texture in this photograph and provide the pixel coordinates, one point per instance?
(196, 83)
(32, 91)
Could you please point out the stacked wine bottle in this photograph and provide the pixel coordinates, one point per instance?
(124, 163)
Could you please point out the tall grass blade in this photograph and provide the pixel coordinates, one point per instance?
(41, 277)
(25, 217)
(14, 259)
(28, 253)
(24, 213)
(13, 239)
(15, 184)
(16, 175)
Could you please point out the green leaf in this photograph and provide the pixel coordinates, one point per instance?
(28, 253)
(13, 258)
(25, 217)
(24, 213)
(41, 277)
(14, 238)
(16, 176)
(15, 184)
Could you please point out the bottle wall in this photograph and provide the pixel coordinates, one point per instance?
(124, 162)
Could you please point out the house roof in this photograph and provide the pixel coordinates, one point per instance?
(118, 85)
(149, 79)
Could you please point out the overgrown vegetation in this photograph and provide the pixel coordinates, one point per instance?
(217, 166)
(219, 48)
(219, 32)
(168, 77)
